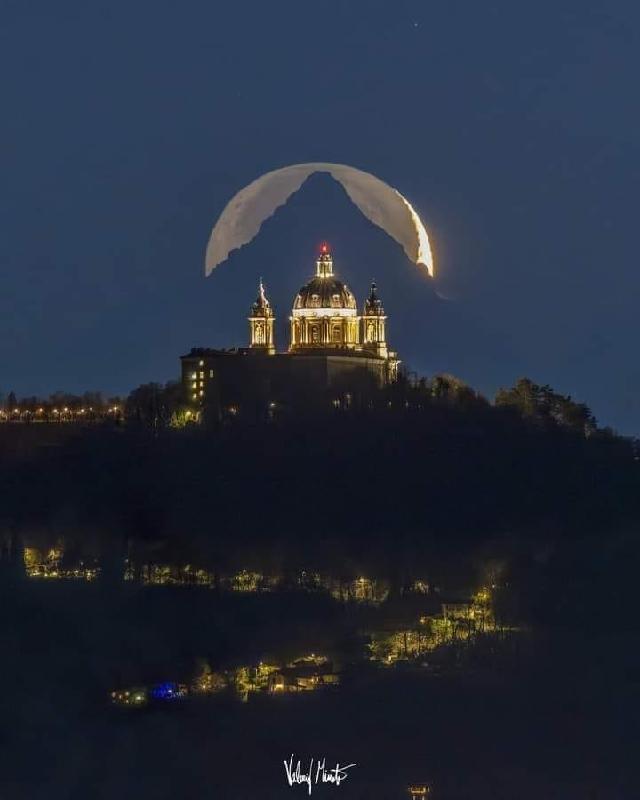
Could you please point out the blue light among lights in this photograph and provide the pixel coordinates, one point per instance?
(164, 691)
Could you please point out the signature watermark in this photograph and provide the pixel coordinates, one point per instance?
(317, 772)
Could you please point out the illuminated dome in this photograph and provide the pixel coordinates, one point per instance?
(325, 312)
(321, 293)
(324, 294)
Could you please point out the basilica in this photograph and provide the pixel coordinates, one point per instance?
(335, 354)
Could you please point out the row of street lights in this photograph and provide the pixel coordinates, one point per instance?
(58, 414)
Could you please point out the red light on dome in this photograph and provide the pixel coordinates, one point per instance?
(324, 248)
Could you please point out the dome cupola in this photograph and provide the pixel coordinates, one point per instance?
(324, 293)
(262, 306)
(325, 311)
(373, 304)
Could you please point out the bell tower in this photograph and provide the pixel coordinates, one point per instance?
(261, 320)
(374, 336)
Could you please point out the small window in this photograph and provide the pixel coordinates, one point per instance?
(211, 373)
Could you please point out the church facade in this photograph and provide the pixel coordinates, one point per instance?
(335, 354)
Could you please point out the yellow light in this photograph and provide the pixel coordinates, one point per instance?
(424, 255)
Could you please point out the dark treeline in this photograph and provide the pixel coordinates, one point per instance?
(428, 480)
(157, 406)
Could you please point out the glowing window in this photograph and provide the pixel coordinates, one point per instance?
(211, 373)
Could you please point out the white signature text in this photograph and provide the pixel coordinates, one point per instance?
(316, 772)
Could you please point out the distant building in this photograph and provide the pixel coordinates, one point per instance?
(335, 354)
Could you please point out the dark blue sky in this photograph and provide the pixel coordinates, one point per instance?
(512, 127)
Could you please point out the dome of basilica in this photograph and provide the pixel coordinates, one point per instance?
(326, 292)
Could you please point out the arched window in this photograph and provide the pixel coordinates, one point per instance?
(336, 334)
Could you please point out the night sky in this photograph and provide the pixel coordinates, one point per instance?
(511, 127)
